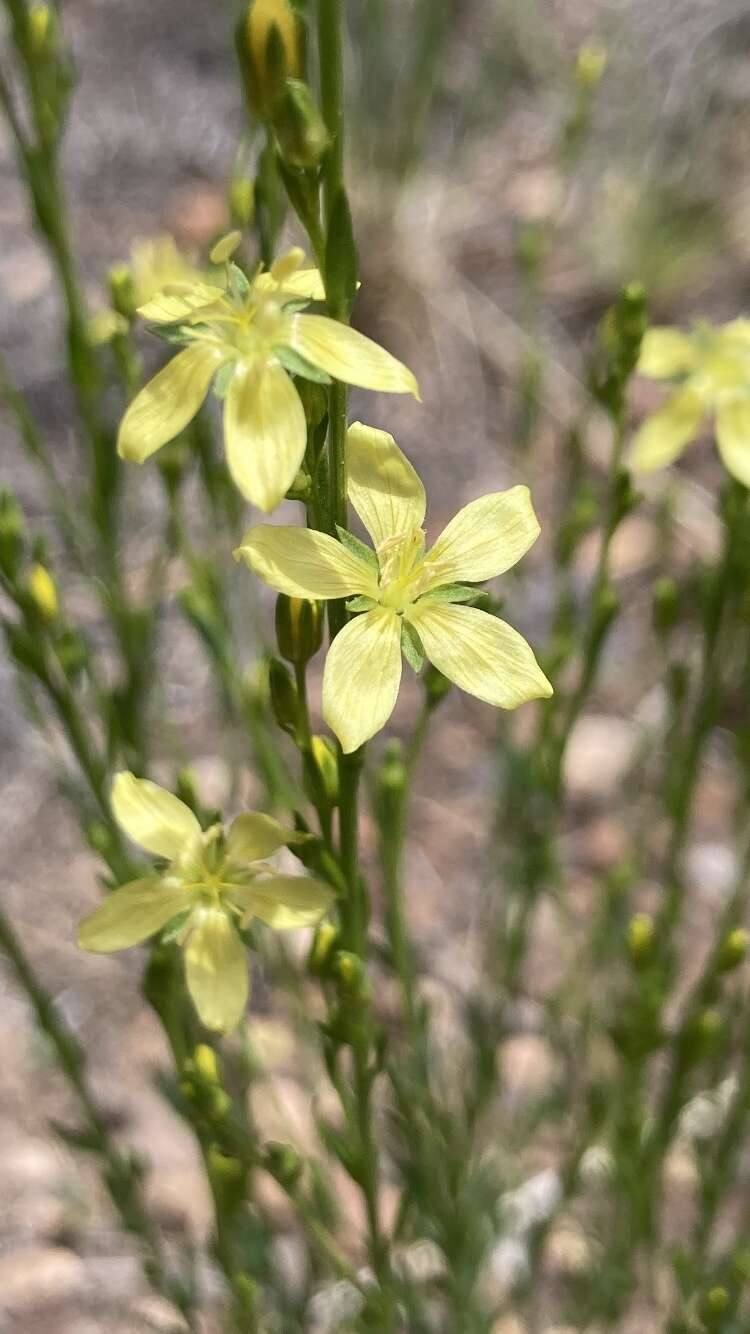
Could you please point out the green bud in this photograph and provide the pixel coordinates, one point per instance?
(283, 1162)
(72, 653)
(98, 837)
(710, 1025)
(324, 943)
(204, 1058)
(314, 401)
(665, 606)
(300, 130)
(326, 761)
(734, 949)
(26, 650)
(242, 201)
(391, 780)
(640, 938)
(284, 700)
(299, 628)
(122, 290)
(350, 972)
(717, 1300)
(11, 535)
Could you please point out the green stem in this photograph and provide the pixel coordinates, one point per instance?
(121, 1173)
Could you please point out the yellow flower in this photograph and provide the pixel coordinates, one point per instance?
(215, 881)
(410, 598)
(255, 335)
(710, 369)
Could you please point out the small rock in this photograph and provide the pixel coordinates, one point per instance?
(712, 868)
(527, 1067)
(34, 1275)
(509, 1324)
(568, 1250)
(599, 752)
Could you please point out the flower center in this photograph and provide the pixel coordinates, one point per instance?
(404, 572)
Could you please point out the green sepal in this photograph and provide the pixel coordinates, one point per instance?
(175, 334)
(239, 284)
(297, 365)
(357, 548)
(361, 603)
(223, 379)
(411, 647)
(452, 593)
(173, 928)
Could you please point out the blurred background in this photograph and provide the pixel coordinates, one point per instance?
(512, 163)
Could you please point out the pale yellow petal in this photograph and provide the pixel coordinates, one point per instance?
(304, 285)
(384, 489)
(479, 653)
(216, 970)
(737, 330)
(733, 438)
(362, 677)
(154, 818)
(666, 352)
(305, 564)
(254, 835)
(167, 403)
(485, 538)
(348, 355)
(131, 914)
(265, 433)
(665, 433)
(179, 301)
(284, 902)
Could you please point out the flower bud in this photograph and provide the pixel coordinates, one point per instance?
(591, 63)
(734, 949)
(640, 938)
(242, 201)
(283, 1162)
(300, 129)
(436, 686)
(299, 628)
(122, 290)
(350, 971)
(41, 28)
(269, 53)
(324, 943)
(72, 653)
(284, 700)
(326, 762)
(665, 606)
(43, 591)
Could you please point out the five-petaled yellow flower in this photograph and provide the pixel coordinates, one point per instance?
(215, 881)
(710, 369)
(253, 336)
(407, 596)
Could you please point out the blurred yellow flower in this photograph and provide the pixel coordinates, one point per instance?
(410, 599)
(710, 369)
(215, 881)
(254, 336)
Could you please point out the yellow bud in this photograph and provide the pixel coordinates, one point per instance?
(225, 247)
(734, 949)
(324, 941)
(44, 592)
(40, 20)
(717, 1300)
(299, 628)
(327, 766)
(122, 290)
(269, 51)
(591, 64)
(206, 1063)
(640, 937)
